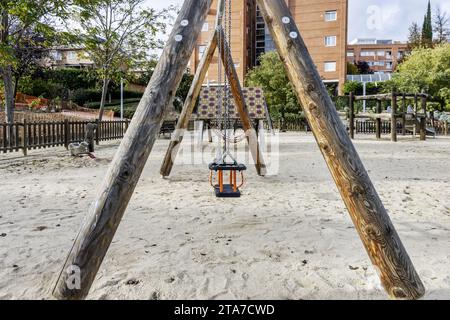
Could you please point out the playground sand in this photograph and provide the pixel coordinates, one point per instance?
(288, 237)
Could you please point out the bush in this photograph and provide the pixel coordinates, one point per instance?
(45, 89)
(91, 98)
(128, 110)
(69, 78)
(357, 88)
(116, 102)
(82, 96)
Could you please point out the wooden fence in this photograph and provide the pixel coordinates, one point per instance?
(37, 135)
(370, 127)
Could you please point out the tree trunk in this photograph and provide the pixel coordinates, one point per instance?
(103, 101)
(9, 100)
(16, 84)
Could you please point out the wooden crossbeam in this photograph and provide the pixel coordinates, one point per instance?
(97, 232)
(371, 220)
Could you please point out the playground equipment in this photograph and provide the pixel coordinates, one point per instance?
(225, 110)
(371, 220)
(208, 109)
(413, 122)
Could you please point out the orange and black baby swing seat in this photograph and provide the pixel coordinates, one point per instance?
(222, 189)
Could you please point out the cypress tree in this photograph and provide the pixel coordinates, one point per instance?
(427, 30)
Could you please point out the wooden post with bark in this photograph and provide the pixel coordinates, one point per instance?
(352, 115)
(98, 230)
(394, 117)
(371, 220)
(378, 120)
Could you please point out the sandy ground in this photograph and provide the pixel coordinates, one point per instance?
(288, 237)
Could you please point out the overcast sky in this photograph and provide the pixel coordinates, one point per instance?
(387, 19)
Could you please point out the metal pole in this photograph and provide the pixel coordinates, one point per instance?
(364, 94)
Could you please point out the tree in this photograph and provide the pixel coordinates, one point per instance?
(441, 26)
(352, 68)
(415, 37)
(427, 29)
(148, 68)
(17, 18)
(428, 70)
(271, 76)
(363, 67)
(29, 53)
(118, 34)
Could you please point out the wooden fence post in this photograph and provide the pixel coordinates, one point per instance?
(378, 120)
(416, 109)
(97, 232)
(352, 115)
(98, 125)
(394, 117)
(25, 137)
(371, 220)
(66, 134)
(423, 119)
(404, 110)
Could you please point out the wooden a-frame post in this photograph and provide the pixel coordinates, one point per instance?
(188, 108)
(100, 225)
(241, 107)
(371, 220)
(191, 100)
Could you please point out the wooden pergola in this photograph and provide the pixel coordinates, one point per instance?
(395, 114)
(371, 220)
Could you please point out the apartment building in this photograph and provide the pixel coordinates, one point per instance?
(381, 55)
(322, 24)
(68, 57)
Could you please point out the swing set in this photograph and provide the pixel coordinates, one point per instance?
(378, 234)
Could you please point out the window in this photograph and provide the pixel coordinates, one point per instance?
(331, 15)
(201, 51)
(367, 53)
(330, 41)
(71, 55)
(381, 53)
(205, 27)
(350, 54)
(330, 66)
(56, 55)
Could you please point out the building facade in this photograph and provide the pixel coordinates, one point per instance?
(382, 56)
(68, 57)
(322, 24)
